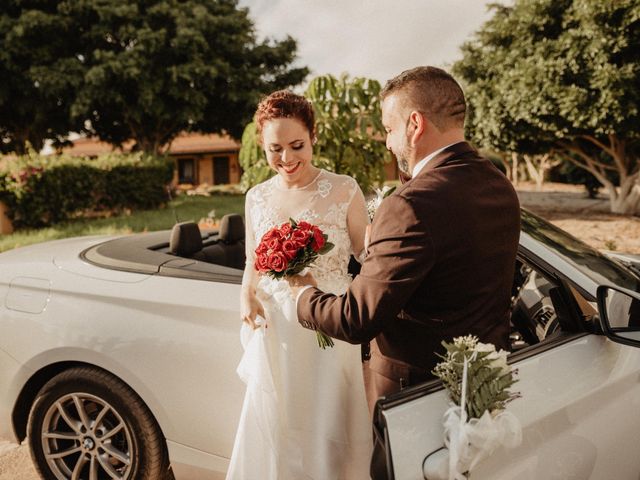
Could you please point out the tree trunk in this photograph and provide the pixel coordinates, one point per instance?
(506, 163)
(537, 166)
(514, 169)
(22, 141)
(626, 198)
(151, 146)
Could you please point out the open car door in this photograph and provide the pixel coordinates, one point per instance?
(580, 398)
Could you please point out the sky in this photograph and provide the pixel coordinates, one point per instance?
(371, 38)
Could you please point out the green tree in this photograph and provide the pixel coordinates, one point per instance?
(158, 67)
(561, 77)
(350, 135)
(40, 74)
(133, 69)
(349, 128)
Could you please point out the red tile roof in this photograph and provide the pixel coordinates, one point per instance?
(184, 143)
(200, 143)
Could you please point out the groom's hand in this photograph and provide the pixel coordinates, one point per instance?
(298, 282)
(367, 237)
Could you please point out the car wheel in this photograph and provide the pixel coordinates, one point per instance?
(88, 424)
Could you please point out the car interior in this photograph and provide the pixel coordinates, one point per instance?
(226, 249)
(544, 307)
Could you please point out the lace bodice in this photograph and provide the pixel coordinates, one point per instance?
(324, 202)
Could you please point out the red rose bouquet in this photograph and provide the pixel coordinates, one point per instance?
(287, 250)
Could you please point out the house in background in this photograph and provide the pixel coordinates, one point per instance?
(199, 158)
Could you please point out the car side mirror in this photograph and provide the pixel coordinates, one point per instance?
(619, 310)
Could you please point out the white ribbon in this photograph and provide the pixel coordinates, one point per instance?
(469, 441)
(455, 423)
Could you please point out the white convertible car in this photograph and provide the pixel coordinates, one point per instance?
(118, 359)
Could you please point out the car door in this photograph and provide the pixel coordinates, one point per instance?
(579, 397)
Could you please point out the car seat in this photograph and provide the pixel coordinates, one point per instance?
(231, 239)
(186, 242)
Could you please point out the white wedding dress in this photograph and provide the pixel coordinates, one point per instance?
(305, 414)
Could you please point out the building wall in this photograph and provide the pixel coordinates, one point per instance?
(5, 224)
(204, 168)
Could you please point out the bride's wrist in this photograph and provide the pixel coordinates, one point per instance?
(248, 292)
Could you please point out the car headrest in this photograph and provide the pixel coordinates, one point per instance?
(185, 239)
(232, 228)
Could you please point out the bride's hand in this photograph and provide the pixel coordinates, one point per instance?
(298, 282)
(250, 307)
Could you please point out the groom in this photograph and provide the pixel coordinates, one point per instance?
(442, 249)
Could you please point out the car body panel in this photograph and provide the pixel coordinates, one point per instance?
(13, 376)
(179, 355)
(190, 464)
(574, 426)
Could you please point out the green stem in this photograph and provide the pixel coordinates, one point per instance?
(324, 341)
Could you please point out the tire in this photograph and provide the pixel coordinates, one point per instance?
(86, 422)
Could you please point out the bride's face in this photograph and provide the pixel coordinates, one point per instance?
(288, 147)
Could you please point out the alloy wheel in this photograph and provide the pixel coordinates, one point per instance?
(84, 437)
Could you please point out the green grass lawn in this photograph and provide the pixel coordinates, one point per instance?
(183, 208)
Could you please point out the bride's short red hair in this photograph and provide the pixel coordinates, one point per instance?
(285, 104)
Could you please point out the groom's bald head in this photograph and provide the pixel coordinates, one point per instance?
(433, 92)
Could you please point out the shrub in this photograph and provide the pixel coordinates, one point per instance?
(40, 191)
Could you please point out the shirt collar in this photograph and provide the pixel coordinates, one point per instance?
(421, 164)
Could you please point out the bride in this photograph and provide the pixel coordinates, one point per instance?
(305, 414)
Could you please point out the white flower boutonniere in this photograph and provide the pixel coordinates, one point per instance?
(374, 203)
(477, 378)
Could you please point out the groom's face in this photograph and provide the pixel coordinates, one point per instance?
(395, 124)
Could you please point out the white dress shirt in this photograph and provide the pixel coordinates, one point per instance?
(421, 164)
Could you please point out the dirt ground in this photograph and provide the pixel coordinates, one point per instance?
(566, 206)
(15, 462)
(569, 207)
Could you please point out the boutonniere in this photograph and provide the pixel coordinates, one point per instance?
(374, 203)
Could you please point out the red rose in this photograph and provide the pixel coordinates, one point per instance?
(262, 263)
(277, 262)
(302, 225)
(273, 233)
(290, 249)
(262, 248)
(300, 237)
(285, 229)
(273, 245)
(318, 239)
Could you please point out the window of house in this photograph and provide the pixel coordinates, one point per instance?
(221, 170)
(186, 170)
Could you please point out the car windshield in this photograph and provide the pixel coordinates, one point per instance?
(588, 260)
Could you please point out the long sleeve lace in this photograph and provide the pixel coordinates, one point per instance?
(357, 221)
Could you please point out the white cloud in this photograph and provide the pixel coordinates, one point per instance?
(371, 38)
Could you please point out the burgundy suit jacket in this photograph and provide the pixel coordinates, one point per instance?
(440, 264)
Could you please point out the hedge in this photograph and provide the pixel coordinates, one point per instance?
(43, 190)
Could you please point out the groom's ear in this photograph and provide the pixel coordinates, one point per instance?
(417, 125)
